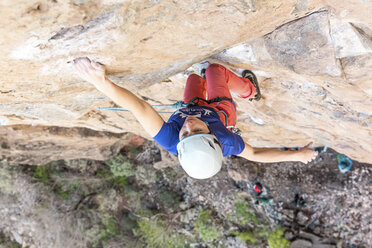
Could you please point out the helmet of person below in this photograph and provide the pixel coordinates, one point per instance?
(200, 155)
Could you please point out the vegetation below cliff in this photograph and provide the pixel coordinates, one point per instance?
(140, 198)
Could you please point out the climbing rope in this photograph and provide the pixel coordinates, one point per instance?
(177, 105)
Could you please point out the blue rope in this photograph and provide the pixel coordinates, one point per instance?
(113, 108)
(176, 105)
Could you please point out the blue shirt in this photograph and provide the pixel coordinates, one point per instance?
(168, 136)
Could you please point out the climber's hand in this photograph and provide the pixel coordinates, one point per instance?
(91, 71)
(307, 155)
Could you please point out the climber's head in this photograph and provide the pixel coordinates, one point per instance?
(199, 151)
(191, 126)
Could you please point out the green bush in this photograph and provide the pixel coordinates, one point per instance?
(207, 231)
(65, 191)
(156, 235)
(152, 232)
(276, 239)
(242, 214)
(41, 172)
(64, 194)
(120, 166)
(104, 173)
(119, 181)
(245, 236)
(110, 227)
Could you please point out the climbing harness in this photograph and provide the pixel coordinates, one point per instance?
(194, 102)
(180, 104)
(216, 99)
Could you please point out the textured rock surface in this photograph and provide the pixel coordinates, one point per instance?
(306, 88)
(313, 59)
(40, 145)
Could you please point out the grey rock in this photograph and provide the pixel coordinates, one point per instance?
(348, 39)
(309, 236)
(288, 213)
(316, 230)
(289, 235)
(324, 246)
(304, 46)
(302, 218)
(232, 242)
(189, 215)
(13, 218)
(301, 243)
(17, 237)
(145, 176)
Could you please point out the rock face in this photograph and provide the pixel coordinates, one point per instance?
(313, 59)
(40, 145)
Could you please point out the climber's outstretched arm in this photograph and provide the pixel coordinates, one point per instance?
(95, 74)
(268, 155)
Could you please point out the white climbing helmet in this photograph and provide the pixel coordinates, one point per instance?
(200, 155)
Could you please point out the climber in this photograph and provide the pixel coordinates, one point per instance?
(199, 134)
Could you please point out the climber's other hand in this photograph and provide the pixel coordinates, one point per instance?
(91, 71)
(307, 155)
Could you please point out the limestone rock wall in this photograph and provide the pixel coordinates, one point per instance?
(313, 59)
(40, 145)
